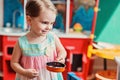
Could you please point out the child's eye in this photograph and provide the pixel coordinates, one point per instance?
(44, 22)
(52, 23)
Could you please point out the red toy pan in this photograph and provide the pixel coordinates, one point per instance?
(55, 66)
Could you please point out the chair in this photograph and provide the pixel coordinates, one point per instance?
(106, 54)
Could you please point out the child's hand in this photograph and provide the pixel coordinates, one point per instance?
(31, 73)
(60, 59)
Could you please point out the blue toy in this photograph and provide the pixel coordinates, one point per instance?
(72, 76)
(20, 18)
(84, 17)
(59, 22)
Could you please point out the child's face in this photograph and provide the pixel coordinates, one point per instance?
(42, 24)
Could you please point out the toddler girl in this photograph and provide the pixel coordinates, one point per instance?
(39, 46)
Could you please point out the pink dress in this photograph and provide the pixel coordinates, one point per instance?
(35, 56)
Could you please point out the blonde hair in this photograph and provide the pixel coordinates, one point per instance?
(34, 7)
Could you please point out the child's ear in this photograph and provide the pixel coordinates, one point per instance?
(28, 19)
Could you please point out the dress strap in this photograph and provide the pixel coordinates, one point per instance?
(22, 41)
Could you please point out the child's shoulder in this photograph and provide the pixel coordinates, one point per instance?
(51, 34)
(22, 41)
(22, 37)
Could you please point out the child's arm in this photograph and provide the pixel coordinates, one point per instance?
(60, 50)
(16, 55)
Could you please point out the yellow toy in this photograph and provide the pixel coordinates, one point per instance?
(108, 53)
(77, 27)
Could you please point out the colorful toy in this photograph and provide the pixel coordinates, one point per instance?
(72, 76)
(60, 18)
(78, 27)
(55, 66)
(84, 14)
(102, 52)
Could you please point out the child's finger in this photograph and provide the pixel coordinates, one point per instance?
(60, 60)
(35, 73)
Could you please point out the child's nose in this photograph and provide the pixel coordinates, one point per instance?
(49, 27)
